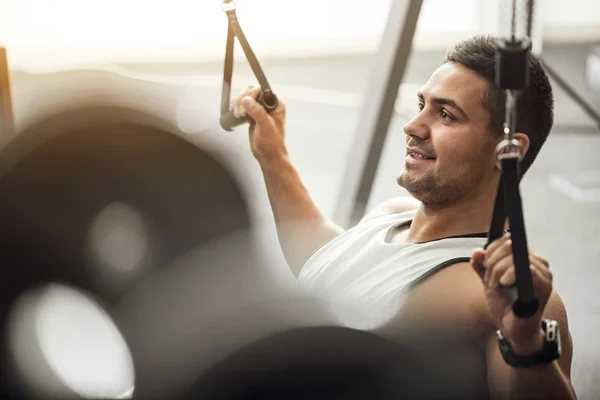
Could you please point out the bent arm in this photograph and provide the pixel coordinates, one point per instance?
(301, 227)
(550, 381)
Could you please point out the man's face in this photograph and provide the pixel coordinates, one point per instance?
(452, 131)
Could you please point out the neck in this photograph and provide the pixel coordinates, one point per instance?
(466, 217)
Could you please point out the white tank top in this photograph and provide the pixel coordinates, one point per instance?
(362, 269)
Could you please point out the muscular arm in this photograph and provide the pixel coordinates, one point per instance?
(301, 227)
(550, 381)
(454, 299)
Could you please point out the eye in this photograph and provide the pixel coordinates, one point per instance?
(445, 115)
(421, 106)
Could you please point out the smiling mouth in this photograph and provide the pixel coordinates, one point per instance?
(419, 156)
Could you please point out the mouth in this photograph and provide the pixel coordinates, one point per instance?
(417, 156)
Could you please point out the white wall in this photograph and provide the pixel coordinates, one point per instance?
(571, 13)
(571, 20)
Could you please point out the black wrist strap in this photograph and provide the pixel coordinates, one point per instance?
(549, 352)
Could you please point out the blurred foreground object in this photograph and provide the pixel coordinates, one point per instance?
(98, 191)
(130, 266)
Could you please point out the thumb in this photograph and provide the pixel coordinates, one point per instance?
(255, 110)
(477, 259)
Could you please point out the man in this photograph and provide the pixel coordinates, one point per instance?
(431, 247)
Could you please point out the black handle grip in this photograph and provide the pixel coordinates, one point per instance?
(523, 307)
(229, 121)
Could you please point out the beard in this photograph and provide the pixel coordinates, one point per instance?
(436, 189)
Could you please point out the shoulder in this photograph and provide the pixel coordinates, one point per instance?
(468, 307)
(394, 205)
(453, 300)
(463, 276)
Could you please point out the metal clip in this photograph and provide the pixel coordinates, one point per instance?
(509, 148)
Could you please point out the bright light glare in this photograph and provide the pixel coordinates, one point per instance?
(82, 345)
(136, 30)
(41, 32)
(62, 340)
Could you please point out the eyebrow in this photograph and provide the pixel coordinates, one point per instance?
(445, 102)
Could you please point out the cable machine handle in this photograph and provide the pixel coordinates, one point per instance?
(229, 120)
(267, 98)
(513, 75)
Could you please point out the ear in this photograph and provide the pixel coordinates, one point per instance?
(523, 139)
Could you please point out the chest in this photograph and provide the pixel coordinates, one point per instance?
(398, 235)
(374, 267)
(434, 311)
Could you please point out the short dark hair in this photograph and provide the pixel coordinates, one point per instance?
(535, 112)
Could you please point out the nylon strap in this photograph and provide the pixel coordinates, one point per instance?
(227, 72)
(235, 30)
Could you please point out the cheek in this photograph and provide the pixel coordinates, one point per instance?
(458, 149)
(451, 150)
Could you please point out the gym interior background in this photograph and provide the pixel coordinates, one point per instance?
(320, 58)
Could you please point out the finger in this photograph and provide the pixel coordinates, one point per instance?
(256, 111)
(253, 92)
(542, 286)
(497, 243)
(235, 105)
(539, 276)
(236, 102)
(542, 260)
(499, 269)
(542, 268)
(501, 251)
(477, 258)
(477, 261)
(247, 91)
(509, 277)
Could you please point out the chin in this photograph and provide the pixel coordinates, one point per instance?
(405, 178)
(399, 179)
(417, 185)
(407, 182)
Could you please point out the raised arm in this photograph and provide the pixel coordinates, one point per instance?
(301, 226)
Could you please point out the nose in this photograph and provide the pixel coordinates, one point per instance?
(417, 127)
